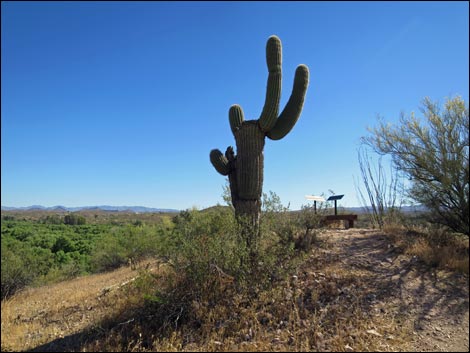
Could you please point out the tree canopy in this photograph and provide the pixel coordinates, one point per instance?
(434, 155)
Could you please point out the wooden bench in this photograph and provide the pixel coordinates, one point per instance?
(342, 217)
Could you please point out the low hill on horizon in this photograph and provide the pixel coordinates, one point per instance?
(135, 209)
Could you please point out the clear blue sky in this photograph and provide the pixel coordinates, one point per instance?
(120, 103)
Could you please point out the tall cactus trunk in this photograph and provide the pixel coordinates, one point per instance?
(246, 181)
(248, 215)
(245, 169)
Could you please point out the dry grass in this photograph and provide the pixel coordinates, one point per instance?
(39, 315)
(434, 246)
(448, 256)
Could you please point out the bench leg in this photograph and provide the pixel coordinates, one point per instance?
(351, 223)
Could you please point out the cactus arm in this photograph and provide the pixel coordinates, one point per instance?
(293, 108)
(230, 155)
(235, 117)
(220, 162)
(270, 111)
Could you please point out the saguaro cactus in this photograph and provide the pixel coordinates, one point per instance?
(245, 169)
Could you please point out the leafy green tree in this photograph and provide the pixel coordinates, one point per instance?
(434, 156)
(63, 243)
(73, 219)
(22, 232)
(52, 219)
(61, 257)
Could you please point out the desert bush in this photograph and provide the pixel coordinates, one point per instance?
(434, 156)
(120, 244)
(202, 241)
(15, 275)
(310, 219)
(22, 265)
(108, 253)
(203, 244)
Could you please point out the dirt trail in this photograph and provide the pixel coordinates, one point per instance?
(433, 304)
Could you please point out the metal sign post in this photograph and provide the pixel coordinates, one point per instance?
(314, 199)
(335, 198)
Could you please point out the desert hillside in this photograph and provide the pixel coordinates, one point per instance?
(354, 291)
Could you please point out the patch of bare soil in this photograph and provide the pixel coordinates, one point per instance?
(433, 304)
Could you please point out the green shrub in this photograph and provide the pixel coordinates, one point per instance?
(115, 248)
(204, 245)
(22, 264)
(109, 253)
(15, 276)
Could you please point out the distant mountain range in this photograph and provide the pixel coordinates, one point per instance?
(135, 209)
(142, 209)
(404, 209)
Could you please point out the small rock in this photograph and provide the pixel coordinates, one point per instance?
(348, 348)
(264, 320)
